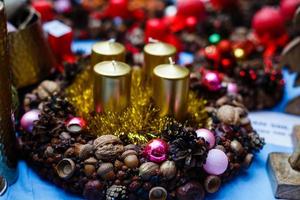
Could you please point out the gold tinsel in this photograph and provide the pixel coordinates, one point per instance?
(136, 124)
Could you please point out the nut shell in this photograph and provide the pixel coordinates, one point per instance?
(229, 114)
(147, 170)
(106, 171)
(236, 147)
(84, 150)
(168, 169)
(212, 184)
(158, 193)
(65, 168)
(131, 161)
(108, 147)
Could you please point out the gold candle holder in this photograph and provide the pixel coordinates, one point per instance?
(8, 159)
(112, 81)
(30, 55)
(107, 50)
(156, 53)
(170, 89)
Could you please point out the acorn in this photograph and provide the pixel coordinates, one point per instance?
(130, 159)
(65, 168)
(131, 147)
(83, 151)
(106, 171)
(89, 166)
(248, 160)
(147, 170)
(236, 147)
(168, 169)
(158, 193)
(212, 184)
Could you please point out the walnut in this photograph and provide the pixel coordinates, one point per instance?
(108, 147)
(231, 115)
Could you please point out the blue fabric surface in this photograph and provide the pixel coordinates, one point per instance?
(251, 184)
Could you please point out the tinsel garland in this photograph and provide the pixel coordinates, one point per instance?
(140, 121)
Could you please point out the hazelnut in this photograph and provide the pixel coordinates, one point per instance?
(130, 159)
(168, 169)
(248, 160)
(106, 171)
(236, 147)
(83, 150)
(89, 169)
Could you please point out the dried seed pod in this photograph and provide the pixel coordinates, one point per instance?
(212, 184)
(229, 114)
(130, 159)
(147, 170)
(106, 171)
(158, 193)
(65, 168)
(46, 89)
(168, 169)
(248, 160)
(108, 147)
(236, 147)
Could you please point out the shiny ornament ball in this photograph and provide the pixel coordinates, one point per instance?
(223, 4)
(224, 46)
(118, 8)
(75, 124)
(269, 21)
(216, 162)
(207, 135)
(288, 8)
(155, 29)
(190, 8)
(156, 150)
(212, 81)
(28, 119)
(232, 88)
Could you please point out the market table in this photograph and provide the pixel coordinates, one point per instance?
(251, 184)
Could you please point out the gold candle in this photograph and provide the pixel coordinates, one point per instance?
(170, 89)
(107, 50)
(156, 53)
(112, 80)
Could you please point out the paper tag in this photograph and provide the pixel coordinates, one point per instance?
(275, 127)
(56, 28)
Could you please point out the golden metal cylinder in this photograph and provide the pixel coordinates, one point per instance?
(112, 81)
(155, 54)
(107, 51)
(170, 90)
(8, 159)
(30, 55)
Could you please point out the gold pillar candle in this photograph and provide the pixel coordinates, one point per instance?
(8, 159)
(170, 89)
(106, 51)
(112, 81)
(156, 53)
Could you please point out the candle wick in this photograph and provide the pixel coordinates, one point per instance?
(114, 63)
(152, 40)
(171, 61)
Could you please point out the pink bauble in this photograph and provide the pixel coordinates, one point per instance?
(269, 21)
(232, 88)
(212, 81)
(288, 8)
(28, 119)
(207, 135)
(156, 150)
(216, 162)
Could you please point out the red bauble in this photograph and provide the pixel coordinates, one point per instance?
(268, 21)
(156, 150)
(45, 8)
(118, 8)
(174, 40)
(75, 124)
(223, 4)
(224, 46)
(156, 29)
(190, 8)
(212, 80)
(288, 8)
(191, 23)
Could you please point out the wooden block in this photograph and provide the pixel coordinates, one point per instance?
(284, 180)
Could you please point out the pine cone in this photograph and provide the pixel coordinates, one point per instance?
(116, 192)
(58, 107)
(185, 148)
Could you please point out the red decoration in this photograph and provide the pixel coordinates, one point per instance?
(118, 8)
(288, 8)
(75, 124)
(45, 8)
(156, 29)
(156, 150)
(190, 8)
(191, 23)
(225, 47)
(268, 21)
(212, 80)
(223, 4)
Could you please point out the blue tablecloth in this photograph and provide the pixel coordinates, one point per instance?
(250, 184)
